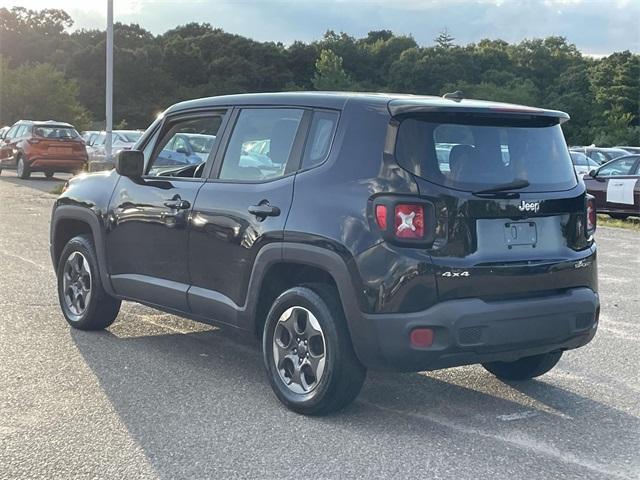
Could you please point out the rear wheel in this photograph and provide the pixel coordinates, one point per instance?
(524, 368)
(49, 174)
(307, 351)
(84, 302)
(22, 168)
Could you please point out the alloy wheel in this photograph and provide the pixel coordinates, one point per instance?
(299, 350)
(20, 167)
(76, 283)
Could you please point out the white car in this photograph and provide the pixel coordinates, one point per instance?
(120, 140)
(583, 164)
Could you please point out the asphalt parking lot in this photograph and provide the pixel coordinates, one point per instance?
(156, 396)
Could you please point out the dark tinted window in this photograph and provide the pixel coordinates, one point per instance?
(323, 127)
(479, 156)
(261, 143)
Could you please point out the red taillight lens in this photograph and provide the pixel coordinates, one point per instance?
(381, 216)
(591, 216)
(409, 221)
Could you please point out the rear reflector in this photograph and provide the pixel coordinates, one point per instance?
(421, 337)
(409, 221)
(381, 216)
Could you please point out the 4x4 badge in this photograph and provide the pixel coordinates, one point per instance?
(529, 206)
(456, 274)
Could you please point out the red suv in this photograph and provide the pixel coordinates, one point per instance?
(47, 147)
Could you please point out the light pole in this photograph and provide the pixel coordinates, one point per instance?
(109, 99)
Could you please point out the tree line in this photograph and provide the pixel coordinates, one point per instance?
(49, 71)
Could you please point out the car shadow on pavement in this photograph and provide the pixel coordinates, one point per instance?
(196, 400)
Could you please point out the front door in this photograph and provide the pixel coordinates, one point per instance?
(243, 207)
(613, 185)
(148, 219)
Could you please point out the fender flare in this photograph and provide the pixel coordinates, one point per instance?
(323, 259)
(73, 212)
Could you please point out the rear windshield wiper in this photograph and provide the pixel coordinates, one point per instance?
(517, 184)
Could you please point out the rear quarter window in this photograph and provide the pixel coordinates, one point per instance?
(475, 156)
(323, 128)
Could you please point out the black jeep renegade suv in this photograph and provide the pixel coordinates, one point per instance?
(347, 231)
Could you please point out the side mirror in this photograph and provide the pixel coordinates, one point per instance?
(593, 173)
(182, 150)
(130, 163)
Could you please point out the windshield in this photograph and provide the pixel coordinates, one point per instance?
(476, 157)
(129, 136)
(56, 132)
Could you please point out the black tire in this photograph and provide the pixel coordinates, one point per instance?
(619, 216)
(100, 310)
(22, 170)
(49, 174)
(524, 368)
(342, 376)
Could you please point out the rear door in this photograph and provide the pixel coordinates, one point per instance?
(509, 211)
(148, 230)
(243, 206)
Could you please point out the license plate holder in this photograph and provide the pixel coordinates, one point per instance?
(520, 233)
(60, 150)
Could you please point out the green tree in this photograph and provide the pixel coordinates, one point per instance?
(444, 39)
(329, 73)
(39, 92)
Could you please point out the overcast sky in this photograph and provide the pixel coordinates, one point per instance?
(597, 27)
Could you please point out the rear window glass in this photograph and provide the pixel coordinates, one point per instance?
(474, 157)
(56, 132)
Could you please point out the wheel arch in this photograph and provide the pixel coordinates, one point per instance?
(69, 221)
(289, 264)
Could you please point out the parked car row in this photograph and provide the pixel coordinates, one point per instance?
(602, 155)
(51, 146)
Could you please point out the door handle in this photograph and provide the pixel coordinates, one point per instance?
(264, 210)
(178, 204)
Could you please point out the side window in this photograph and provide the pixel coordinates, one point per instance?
(323, 127)
(618, 167)
(174, 155)
(21, 131)
(12, 132)
(261, 143)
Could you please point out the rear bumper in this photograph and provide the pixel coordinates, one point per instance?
(472, 330)
(57, 164)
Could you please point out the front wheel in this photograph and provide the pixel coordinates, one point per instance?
(524, 368)
(307, 351)
(84, 302)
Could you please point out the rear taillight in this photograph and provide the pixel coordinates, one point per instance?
(591, 215)
(381, 216)
(404, 223)
(409, 221)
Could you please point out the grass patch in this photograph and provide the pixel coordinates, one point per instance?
(631, 223)
(58, 189)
